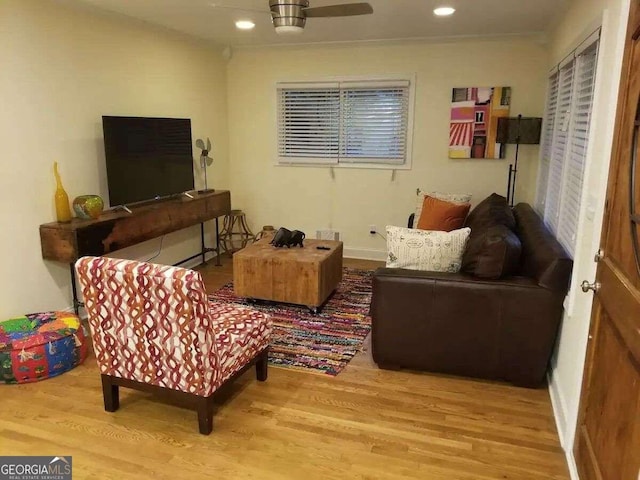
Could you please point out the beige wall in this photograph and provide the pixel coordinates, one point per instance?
(582, 17)
(62, 69)
(308, 198)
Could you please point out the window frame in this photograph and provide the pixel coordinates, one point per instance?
(575, 60)
(355, 81)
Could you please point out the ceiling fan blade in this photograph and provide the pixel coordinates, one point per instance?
(347, 10)
(229, 7)
(209, 161)
(200, 144)
(208, 144)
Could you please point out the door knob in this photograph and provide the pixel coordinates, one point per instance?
(586, 286)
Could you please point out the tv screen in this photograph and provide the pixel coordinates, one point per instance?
(147, 158)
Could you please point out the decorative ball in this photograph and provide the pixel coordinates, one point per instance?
(88, 206)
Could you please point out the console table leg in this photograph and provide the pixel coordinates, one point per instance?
(203, 249)
(218, 263)
(76, 304)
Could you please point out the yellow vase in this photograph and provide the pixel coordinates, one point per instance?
(63, 211)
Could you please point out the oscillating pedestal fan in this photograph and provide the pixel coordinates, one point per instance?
(205, 161)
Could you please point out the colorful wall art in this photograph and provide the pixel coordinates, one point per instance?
(474, 121)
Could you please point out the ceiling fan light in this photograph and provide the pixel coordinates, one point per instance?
(245, 24)
(444, 11)
(288, 30)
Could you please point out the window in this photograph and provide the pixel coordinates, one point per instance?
(363, 123)
(565, 141)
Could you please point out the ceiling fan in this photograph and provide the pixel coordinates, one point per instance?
(290, 16)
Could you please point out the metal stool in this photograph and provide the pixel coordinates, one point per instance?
(235, 232)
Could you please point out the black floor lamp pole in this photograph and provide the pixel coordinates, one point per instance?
(509, 184)
(513, 169)
(512, 193)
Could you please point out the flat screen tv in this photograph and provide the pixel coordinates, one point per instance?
(147, 158)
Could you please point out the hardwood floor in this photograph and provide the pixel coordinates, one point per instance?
(363, 424)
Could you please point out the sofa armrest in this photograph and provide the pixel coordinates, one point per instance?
(455, 323)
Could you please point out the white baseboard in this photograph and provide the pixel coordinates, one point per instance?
(560, 414)
(559, 409)
(365, 254)
(571, 462)
(82, 315)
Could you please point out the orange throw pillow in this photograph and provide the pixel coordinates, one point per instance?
(440, 215)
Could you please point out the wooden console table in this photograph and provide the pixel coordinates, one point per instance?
(117, 229)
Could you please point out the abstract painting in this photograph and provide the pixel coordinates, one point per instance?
(474, 121)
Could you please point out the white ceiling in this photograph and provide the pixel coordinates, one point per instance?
(392, 19)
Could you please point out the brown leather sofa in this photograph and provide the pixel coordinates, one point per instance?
(457, 323)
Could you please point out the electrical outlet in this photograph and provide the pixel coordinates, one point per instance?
(373, 229)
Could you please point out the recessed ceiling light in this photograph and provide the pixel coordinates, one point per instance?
(245, 24)
(444, 11)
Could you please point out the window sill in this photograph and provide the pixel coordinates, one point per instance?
(368, 166)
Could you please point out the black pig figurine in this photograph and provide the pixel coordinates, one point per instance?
(281, 238)
(296, 239)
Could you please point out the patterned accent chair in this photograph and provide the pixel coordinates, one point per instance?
(154, 329)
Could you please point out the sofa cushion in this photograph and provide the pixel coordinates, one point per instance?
(441, 215)
(493, 210)
(492, 253)
(447, 197)
(425, 250)
(543, 258)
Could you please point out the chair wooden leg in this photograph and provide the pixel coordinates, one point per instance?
(261, 366)
(111, 394)
(205, 415)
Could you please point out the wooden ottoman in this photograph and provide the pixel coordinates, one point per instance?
(304, 276)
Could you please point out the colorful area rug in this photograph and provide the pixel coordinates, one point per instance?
(325, 342)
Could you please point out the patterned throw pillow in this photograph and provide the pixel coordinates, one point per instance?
(458, 198)
(426, 249)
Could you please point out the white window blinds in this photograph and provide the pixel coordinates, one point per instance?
(547, 139)
(309, 123)
(565, 141)
(577, 154)
(374, 124)
(559, 146)
(345, 122)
